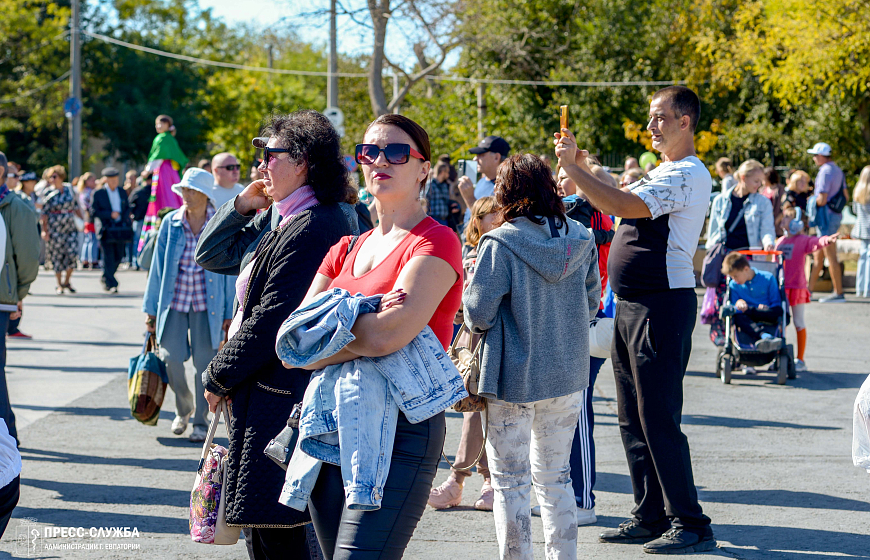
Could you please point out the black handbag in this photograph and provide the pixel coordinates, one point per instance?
(837, 202)
(280, 449)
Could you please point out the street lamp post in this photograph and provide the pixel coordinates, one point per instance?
(75, 93)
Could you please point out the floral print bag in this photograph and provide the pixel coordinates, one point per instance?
(208, 501)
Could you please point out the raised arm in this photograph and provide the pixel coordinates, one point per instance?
(621, 203)
(226, 237)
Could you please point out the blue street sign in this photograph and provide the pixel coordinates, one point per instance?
(72, 107)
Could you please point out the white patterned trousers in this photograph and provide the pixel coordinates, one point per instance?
(530, 443)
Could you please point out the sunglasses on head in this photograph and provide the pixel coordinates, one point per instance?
(396, 154)
(234, 167)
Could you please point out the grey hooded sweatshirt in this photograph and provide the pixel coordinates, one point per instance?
(534, 295)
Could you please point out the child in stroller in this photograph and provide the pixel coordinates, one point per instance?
(755, 296)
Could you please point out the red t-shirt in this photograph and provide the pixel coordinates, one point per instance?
(428, 238)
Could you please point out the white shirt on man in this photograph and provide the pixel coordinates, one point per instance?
(114, 199)
(221, 195)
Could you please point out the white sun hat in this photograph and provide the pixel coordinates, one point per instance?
(198, 180)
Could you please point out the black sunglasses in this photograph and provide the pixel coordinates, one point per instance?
(234, 167)
(396, 154)
(260, 144)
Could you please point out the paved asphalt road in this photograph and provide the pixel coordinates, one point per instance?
(772, 463)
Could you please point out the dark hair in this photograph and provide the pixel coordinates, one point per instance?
(683, 101)
(771, 175)
(734, 261)
(524, 186)
(165, 118)
(311, 138)
(417, 133)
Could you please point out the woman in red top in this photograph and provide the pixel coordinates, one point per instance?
(419, 260)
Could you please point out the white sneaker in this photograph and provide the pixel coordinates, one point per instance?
(536, 511)
(835, 298)
(800, 365)
(179, 425)
(586, 516)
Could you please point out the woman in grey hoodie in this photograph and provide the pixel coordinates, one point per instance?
(534, 291)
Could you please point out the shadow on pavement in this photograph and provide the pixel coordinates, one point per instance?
(73, 369)
(828, 381)
(811, 381)
(609, 482)
(110, 413)
(704, 420)
(88, 343)
(182, 441)
(791, 542)
(783, 498)
(78, 518)
(114, 494)
(160, 464)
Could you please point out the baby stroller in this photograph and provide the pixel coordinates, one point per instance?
(738, 349)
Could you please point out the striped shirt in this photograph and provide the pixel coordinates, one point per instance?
(190, 295)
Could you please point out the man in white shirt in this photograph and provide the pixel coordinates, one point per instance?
(650, 271)
(491, 151)
(226, 170)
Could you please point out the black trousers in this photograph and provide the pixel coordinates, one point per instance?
(277, 544)
(381, 534)
(652, 340)
(113, 254)
(9, 495)
(745, 321)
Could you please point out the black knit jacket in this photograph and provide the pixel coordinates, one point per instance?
(248, 371)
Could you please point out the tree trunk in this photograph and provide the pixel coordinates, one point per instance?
(380, 18)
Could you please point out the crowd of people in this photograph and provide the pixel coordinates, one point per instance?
(527, 258)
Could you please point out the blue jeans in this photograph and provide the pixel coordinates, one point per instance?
(131, 250)
(90, 248)
(5, 405)
(862, 281)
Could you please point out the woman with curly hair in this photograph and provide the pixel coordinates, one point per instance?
(304, 174)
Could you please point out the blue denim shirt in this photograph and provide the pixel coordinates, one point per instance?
(220, 289)
(349, 412)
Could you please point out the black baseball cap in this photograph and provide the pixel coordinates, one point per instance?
(495, 144)
(29, 176)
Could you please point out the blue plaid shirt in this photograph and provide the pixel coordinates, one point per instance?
(439, 199)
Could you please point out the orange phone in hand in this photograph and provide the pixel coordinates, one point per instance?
(563, 119)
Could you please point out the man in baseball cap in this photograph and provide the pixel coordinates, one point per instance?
(820, 149)
(488, 154)
(830, 182)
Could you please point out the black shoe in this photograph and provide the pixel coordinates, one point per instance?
(631, 532)
(680, 541)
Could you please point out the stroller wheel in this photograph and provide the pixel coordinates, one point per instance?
(783, 367)
(725, 369)
(792, 371)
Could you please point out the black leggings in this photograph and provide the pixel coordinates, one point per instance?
(384, 533)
